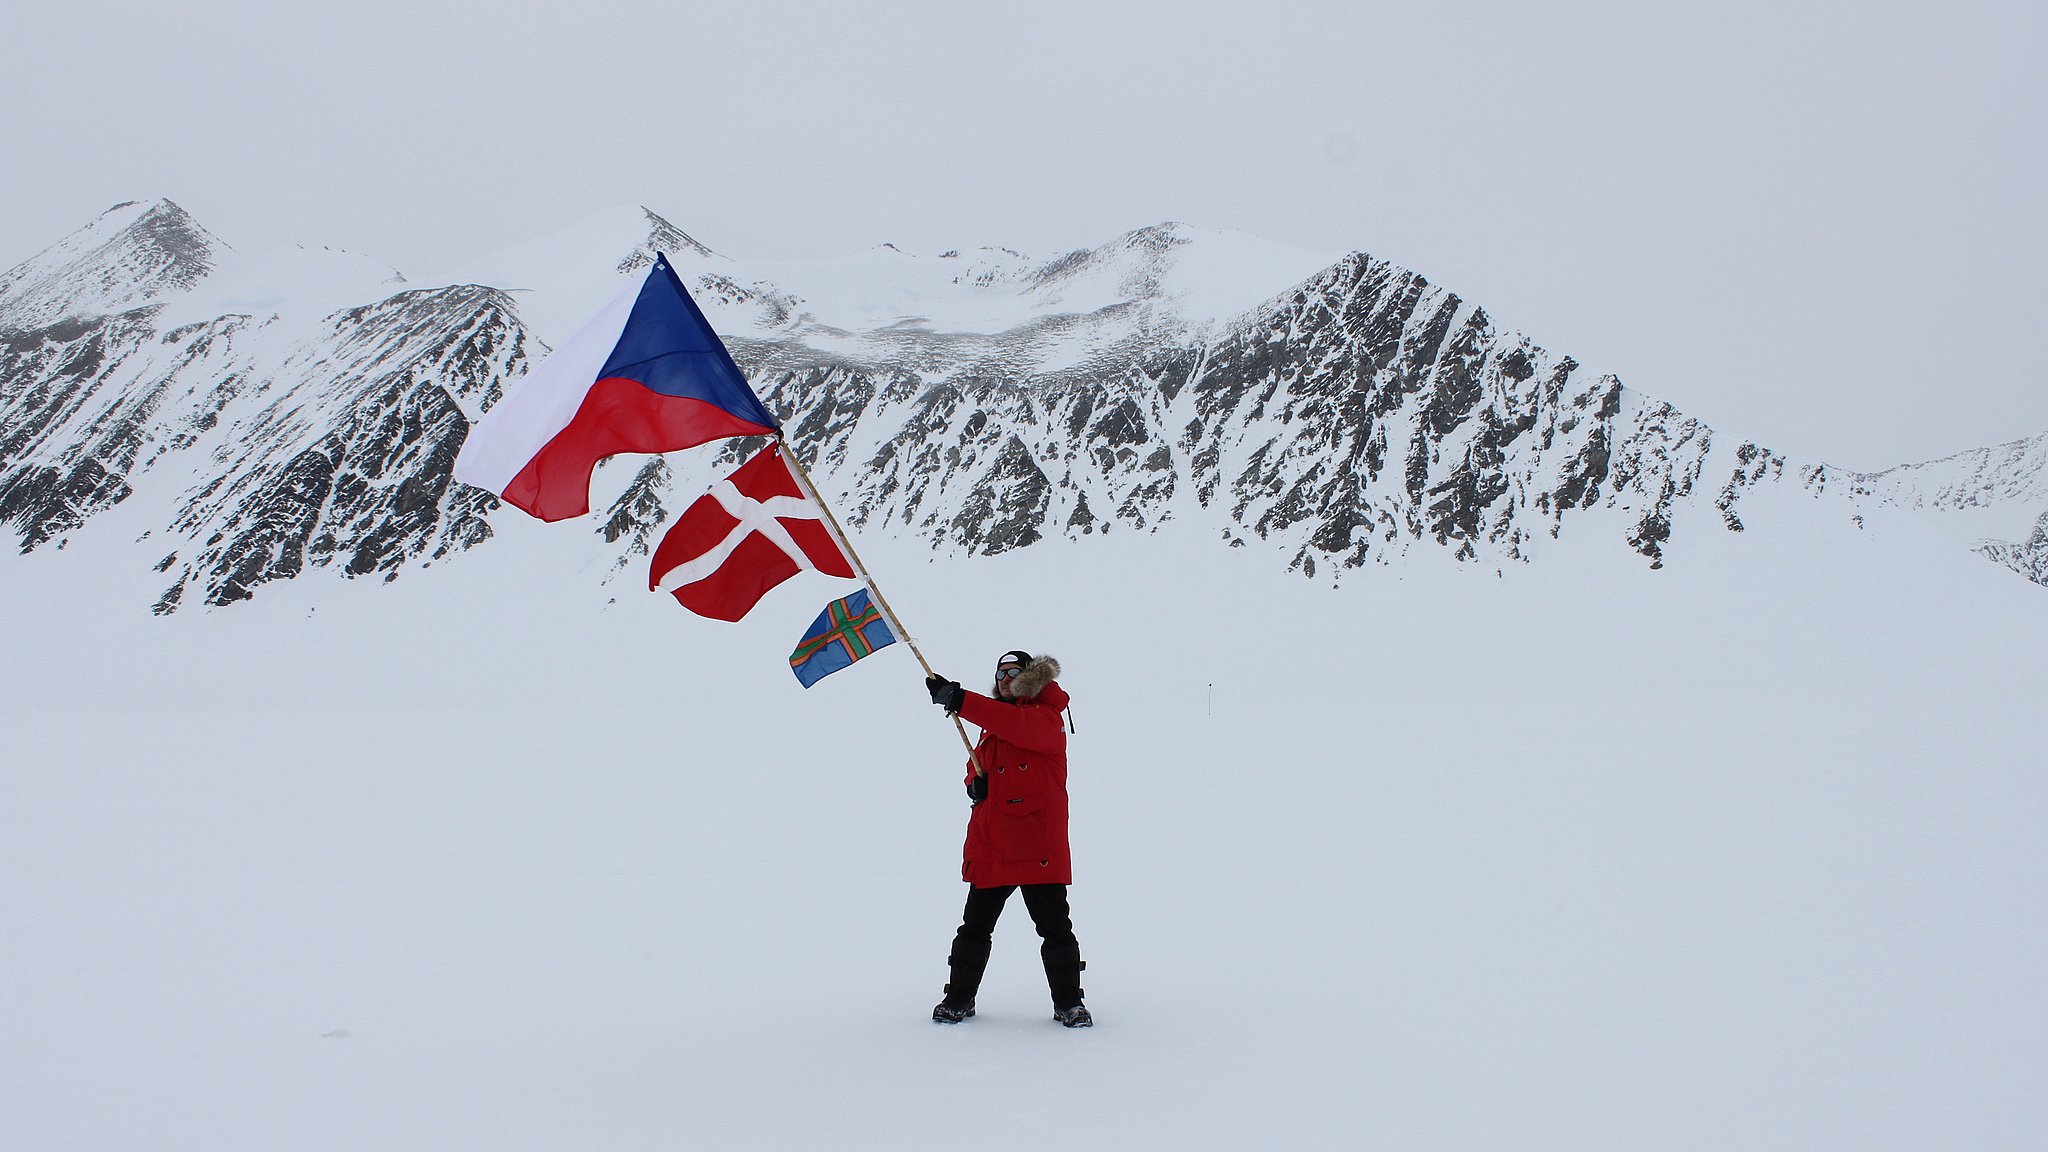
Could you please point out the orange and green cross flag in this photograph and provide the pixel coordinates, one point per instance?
(845, 631)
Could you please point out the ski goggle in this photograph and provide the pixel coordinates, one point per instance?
(1009, 673)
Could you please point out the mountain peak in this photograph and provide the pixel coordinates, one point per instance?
(661, 236)
(133, 253)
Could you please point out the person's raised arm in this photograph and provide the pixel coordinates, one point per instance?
(1032, 726)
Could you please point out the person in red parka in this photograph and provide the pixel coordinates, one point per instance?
(1017, 830)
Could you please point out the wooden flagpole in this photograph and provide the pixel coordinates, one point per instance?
(839, 534)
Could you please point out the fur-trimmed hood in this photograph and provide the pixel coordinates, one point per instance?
(1042, 670)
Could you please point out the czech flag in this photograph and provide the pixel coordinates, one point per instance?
(845, 631)
(645, 375)
(752, 531)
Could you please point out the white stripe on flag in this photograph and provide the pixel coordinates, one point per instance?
(541, 403)
(753, 516)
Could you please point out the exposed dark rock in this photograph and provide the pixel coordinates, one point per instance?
(44, 503)
(638, 512)
(2029, 557)
(1007, 505)
(270, 530)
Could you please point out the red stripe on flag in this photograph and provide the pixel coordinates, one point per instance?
(816, 540)
(731, 592)
(617, 415)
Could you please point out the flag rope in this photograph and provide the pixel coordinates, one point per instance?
(839, 534)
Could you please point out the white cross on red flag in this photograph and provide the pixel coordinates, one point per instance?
(752, 531)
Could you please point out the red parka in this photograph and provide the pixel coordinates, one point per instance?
(1018, 835)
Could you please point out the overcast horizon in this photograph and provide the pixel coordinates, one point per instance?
(1813, 224)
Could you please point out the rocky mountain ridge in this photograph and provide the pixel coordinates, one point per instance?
(1358, 416)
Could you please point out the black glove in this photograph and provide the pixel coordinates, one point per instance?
(977, 789)
(946, 693)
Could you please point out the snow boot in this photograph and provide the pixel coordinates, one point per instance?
(968, 961)
(1063, 965)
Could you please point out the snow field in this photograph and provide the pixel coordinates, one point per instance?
(1740, 853)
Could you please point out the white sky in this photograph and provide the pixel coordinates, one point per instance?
(1818, 224)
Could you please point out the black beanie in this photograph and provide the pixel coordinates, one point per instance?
(1017, 654)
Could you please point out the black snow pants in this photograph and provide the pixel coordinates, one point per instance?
(1060, 952)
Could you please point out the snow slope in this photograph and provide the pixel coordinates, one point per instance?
(1199, 276)
(1739, 853)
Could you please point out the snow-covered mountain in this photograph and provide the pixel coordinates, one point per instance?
(1994, 498)
(260, 416)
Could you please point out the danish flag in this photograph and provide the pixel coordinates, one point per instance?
(753, 530)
